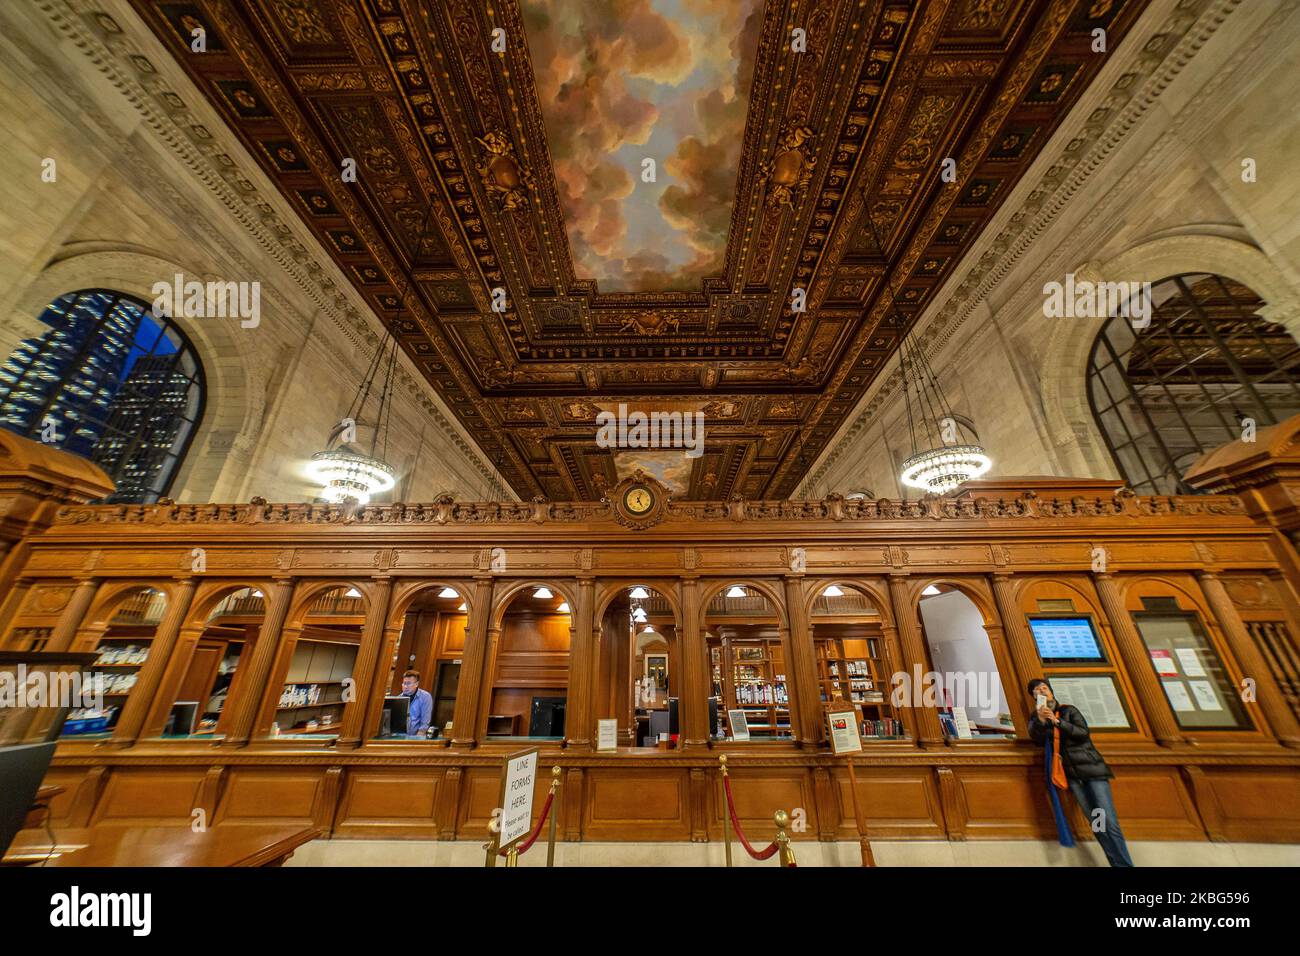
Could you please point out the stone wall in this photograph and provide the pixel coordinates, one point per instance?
(150, 182)
(1141, 182)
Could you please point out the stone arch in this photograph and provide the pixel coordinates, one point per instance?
(1064, 381)
(231, 412)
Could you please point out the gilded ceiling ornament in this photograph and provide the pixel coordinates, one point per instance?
(502, 175)
(791, 168)
(650, 323)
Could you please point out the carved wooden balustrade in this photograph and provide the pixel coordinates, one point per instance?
(1008, 546)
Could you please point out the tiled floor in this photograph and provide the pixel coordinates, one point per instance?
(900, 853)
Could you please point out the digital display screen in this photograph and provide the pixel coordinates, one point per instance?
(1065, 639)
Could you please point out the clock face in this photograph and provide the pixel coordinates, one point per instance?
(638, 500)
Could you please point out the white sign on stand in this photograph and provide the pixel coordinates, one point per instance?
(606, 735)
(517, 785)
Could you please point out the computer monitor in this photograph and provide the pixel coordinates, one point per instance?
(1066, 639)
(713, 716)
(182, 719)
(673, 729)
(22, 768)
(547, 717)
(396, 711)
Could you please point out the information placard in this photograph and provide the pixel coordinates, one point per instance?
(1097, 699)
(739, 725)
(517, 785)
(844, 731)
(607, 734)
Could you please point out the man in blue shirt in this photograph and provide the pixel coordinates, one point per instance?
(420, 710)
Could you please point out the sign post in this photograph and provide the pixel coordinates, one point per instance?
(846, 740)
(518, 780)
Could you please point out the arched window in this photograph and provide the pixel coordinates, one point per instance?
(109, 381)
(1188, 382)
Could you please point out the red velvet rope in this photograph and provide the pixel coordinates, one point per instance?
(522, 848)
(735, 825)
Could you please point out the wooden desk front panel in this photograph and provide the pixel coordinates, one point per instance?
(622, 798)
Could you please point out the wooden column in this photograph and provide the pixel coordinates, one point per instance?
(369, 668)
(1269, 696)
(150, 676)
(929, 732)
(466, 718)
(1137, 661)
(894, 665)
(694, 713)
(579, 719)
(13, 601)
(170, 685)
(801, 686)
(1020, 640)
(65, 632)
(263, 658)
(1007, 670)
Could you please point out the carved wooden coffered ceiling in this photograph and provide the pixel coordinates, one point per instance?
(451, 141)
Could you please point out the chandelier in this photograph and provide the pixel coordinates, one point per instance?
(945, 452)
(349, 474)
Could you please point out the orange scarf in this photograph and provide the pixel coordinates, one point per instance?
(1058, 768)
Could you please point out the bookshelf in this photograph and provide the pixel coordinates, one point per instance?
(312, 699)
(122, 652)
(749, 674)
(852, 668)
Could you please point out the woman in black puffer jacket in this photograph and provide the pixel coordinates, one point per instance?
(1085, 770)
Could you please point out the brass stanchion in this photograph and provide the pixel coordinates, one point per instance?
(512, 856)
(726, 812)
(494, 834)
(783, 839)
(868, 859)
(555, 812)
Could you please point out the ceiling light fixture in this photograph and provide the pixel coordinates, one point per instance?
(832, 591)
(639, 615)
(942, 458)
(563, 608)
(735, 591)
(638, 593)
(930, 591)
(543, 594)
(463, 607)
(448, 593)
(349, 475)
(352, 592)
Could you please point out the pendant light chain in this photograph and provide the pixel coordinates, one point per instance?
(944, 463)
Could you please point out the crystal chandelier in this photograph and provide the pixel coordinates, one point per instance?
(942, 457)
(945, 453)
(350, 475)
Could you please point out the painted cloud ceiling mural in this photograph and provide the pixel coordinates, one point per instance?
(623, 81)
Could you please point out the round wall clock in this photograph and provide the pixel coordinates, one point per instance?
(638, 499)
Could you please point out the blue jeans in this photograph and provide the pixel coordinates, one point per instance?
(1093, 795)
